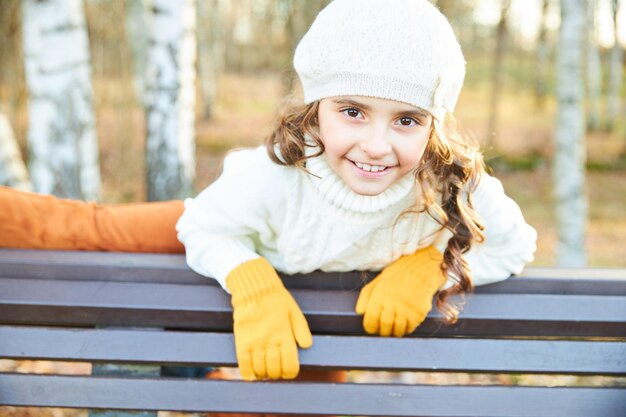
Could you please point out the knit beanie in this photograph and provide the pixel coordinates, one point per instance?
(402, 50)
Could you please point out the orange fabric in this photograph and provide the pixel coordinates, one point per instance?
(36, 221)
(304, 375)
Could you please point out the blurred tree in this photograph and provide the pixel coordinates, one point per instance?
(61, 133)
(211, 49)
(616, 70)
(300, 15)
(460, 13)
(542, 57)
(137, 29)
(496, 84)
(229, 38)
(13, 94)
(456, 10)
(170, 99)
(12, 169)
(242, 47)
(569, 158)
(594, 68)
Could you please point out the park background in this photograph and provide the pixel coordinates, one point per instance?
(243, 66)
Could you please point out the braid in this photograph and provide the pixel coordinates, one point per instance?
(454, 264)
(451, 167)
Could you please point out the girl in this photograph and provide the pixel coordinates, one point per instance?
(368, 174)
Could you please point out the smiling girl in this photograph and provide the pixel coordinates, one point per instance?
(372, 143)
(368, 174)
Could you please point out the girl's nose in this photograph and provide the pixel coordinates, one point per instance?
(376, 145)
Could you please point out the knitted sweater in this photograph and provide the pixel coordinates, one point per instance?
(301, 222)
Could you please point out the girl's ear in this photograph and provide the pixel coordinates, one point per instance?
(315, 120)
(432, 130)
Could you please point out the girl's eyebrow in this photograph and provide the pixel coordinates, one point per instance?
(349, 102)
(414, 113)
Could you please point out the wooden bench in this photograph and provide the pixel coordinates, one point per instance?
(152, 310)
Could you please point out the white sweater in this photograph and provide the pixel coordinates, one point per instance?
(301, 222)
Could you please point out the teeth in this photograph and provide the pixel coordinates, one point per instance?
(370, 168)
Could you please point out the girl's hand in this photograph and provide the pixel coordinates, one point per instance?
(400, 297)
(267, 323)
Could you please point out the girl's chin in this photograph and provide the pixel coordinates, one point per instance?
(369, 190)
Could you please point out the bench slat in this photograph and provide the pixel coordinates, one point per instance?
(417, 354)
(109, 266)
(308, 398)
(89, 303)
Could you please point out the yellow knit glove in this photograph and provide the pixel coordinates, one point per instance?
(400, 297)
(267, 322)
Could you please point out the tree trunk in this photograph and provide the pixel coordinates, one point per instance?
(445, 6)
(12, 169)
(211, 50)
(569, 163)
(496, 84)
(594, 73)
(137, 29)
(616, 70)
(61, 133)
(12, 64)
(170, 100)
(542, 58)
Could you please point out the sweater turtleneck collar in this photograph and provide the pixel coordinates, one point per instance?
(334, 190)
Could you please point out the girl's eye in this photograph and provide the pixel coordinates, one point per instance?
(353, 113)
(408, 121)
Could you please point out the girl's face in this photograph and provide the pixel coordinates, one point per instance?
(371, 142)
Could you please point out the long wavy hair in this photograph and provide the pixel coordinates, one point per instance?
(447, 174)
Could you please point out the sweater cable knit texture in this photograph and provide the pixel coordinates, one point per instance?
(290, 217)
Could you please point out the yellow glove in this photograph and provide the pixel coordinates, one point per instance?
(267, 322)
(400, 297)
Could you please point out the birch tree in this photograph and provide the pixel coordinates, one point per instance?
(542, 56)
(137, 29)
(211, 49)
(170, 99)
(594, 74)
(63, 156)
(616, 70)
(12, 169)
(569, 163)
(496, 84)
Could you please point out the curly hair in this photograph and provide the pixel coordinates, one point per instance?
(447, 174)
(294, 123)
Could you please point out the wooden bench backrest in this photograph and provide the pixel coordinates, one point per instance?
(547, 321)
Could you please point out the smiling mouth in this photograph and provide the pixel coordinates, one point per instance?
(370, 168)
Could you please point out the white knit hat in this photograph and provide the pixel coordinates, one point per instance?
(403, 50)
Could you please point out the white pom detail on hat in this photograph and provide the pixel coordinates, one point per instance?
(403, 50)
